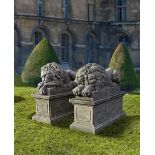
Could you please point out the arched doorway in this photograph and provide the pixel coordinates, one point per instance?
(124, 39)
(37, 37)
(38, 33)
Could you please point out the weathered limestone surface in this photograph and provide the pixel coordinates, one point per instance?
(53, 94)
(55, 79)
(98, 101)
(52, 108)
(93, 77)
(105, 30)
(92, 114)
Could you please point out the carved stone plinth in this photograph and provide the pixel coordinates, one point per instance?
(92, 114)
(52, 108)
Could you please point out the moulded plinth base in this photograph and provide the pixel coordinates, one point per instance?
(52, 108)
(95, 128)
(92, 114)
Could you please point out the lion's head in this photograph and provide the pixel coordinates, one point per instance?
(54, 77)
(93, 77)
(80, 79)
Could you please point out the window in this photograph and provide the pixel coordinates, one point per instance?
(37, 37)
(66, 8)
(90, 48)
(65, 48)
(40, 8)
(91, 12)
(121, 10)
(124, 39)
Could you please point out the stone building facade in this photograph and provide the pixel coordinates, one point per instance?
(80, 31)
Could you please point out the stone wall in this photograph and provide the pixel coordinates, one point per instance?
(133, 10)
(25, 7)
(105, 30)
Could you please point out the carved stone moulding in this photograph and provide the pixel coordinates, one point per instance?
(52, 108)
(92, 114)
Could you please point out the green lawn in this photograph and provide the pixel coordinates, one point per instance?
(33, 138)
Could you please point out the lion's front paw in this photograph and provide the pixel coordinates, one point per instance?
(42, 90)
(77, 91)
(86, 92)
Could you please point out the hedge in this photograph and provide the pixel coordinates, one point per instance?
(122, 62)
(42, 54)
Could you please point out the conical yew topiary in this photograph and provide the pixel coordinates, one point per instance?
(42, 54)
(122, 62)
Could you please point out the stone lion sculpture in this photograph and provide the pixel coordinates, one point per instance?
(55, 79)
(93, 77)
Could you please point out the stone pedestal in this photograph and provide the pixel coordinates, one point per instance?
(92, 114)
(52, 108)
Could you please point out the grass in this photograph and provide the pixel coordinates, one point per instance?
(42, 54)
(17, 80)
(33, 138)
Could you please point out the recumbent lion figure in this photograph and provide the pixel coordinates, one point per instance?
(93, 77)
(56, 78)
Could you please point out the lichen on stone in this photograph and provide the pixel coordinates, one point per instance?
(55, 79)
(93, 77)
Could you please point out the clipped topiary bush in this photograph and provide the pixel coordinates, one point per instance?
(121, 61)
(42, 54)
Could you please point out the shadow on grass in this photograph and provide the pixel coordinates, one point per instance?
(114, 130)
(63, 123)
(118, 128)
(30, 116)
(18, 99)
